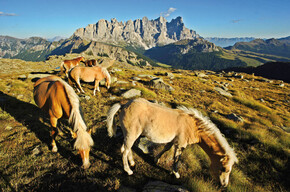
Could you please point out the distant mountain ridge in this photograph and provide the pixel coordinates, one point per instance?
(225, 42)
(280, 47)
(35, 48)
(193, 54)
(141, 33)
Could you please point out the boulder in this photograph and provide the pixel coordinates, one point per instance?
(159, 186)
(235, 117)
(223, 92)
(159, 84)
(131, 93)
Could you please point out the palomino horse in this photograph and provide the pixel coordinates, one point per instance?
(58, 99)
(66, 65)
(91, 63)
(178, 127)
(89, 74)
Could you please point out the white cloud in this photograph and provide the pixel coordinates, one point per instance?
(168, 12)
(7, 14)
(236, 21)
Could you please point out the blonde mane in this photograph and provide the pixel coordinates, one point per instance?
(210, 128)
(84, 139)
(106, 73)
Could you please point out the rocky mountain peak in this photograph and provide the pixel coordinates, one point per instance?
(140, 33)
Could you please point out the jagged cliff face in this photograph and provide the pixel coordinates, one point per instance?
(140, 33)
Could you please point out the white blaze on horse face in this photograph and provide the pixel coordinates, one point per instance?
(85, 158)
(224, 176)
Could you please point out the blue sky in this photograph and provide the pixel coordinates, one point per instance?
(209, 18)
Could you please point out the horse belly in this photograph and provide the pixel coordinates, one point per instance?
(158, 135)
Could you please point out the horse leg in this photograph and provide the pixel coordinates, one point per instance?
(177, 153)
(79, 85)
(166, 148)
(96, 87)
(54, 132)
(127, 152)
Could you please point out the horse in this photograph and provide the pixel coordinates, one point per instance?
(89, 74)
(66, 65)
(58, 99)
(179, 127)
(91, 63)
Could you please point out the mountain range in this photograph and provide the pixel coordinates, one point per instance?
(154, 42)
(140, 33)
(280, 47)
(225, 42)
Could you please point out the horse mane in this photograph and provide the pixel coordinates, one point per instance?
(106, 73)
(211, 129)
(84, 139)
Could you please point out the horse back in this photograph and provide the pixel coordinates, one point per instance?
(160, 124)
(50, 95)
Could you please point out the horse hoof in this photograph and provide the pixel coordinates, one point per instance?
(156, 160)
(85, 166)
(176, 174)
(130, 172)
(132, 164)
(54, 149)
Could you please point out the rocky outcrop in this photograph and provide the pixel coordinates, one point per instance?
(140, 33)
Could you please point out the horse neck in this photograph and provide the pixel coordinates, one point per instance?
(212, 146)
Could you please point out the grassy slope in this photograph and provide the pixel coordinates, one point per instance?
(262, 146)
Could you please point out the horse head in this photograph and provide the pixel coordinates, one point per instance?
(222, 167)
(85, 150)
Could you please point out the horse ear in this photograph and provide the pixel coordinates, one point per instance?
(73, 134)
(90, 131)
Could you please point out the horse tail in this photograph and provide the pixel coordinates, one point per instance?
(84, 139)
(110, 119)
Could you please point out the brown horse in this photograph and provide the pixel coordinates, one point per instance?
(89, 74)
(58, 99)
(178, 127)
(91, 63)
(66, 65)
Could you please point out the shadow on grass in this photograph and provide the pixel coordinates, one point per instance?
(28, 114)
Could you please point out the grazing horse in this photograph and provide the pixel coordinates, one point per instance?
(91, 63)
(89, 74)
(66, 65)
(178, 127)
(58, 99)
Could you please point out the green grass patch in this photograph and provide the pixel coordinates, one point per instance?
(253, 104)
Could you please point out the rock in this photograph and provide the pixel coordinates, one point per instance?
(22, 77)
(136, 78)
(143, 33)
(223, 92)
(145, 145)
(159, 84)
(33, 76)
(144, 75)
(131, 93)
(235, 117)
(170, 75)
(281, 85)
(159, 186)
(122, 82)
(8, 127)
(200, 74)
(35, 151)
